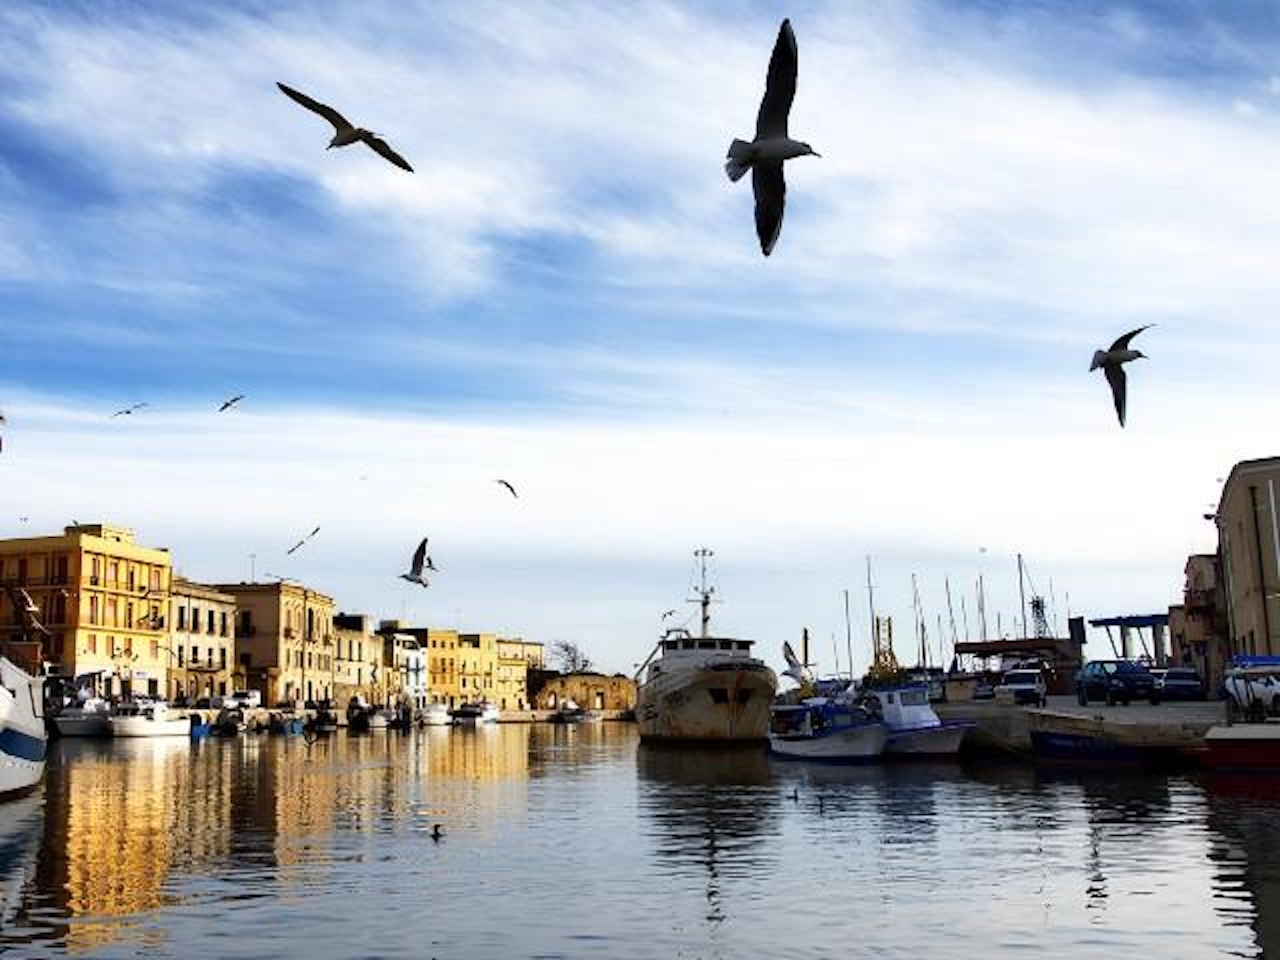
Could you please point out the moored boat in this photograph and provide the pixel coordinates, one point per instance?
(704, 688)
(148, 718)
(914, 728)
(482, 712)
(436, 714)
(820, 728)
(23, 739)
(88, 718)
(1244, 747)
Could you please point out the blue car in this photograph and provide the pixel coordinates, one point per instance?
(1115, 681)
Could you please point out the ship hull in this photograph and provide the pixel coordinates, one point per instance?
(850, 745)
(23, 740)
(723, 703)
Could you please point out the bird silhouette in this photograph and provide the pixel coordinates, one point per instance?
(509, 487)
(420, 559)
(228, 404)
(346, 133)
(303, 540)
(772, 145)
(669, 613)
(437, 834)
(127, 411)
(1110, 361)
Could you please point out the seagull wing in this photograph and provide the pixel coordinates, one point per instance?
(313, 533)
(227, 405)
(295, 546)
(780, 89)
(340, 123)
(1123, 342)
(509, 487)
(790, 655)
(380, 147)
(1116, 377)
(771, 197)
(415, 568)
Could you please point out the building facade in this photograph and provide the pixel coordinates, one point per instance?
(102, 597)
(1198, 625)
(1249, 548)
(201, 646)
(516, 657)
(407, 678)
(592, 691)
(358, 660)
(284, 641)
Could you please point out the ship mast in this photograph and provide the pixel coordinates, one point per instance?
(704, 592)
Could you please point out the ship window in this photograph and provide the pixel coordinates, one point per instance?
(890, 698)
(706, 644)
(744, 644)
(719, 694)
(744, 696)
(726, 644)
(687, 644)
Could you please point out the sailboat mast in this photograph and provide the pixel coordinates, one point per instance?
(1022, 595)
(848, 635)
(875, 632)
(920, 631)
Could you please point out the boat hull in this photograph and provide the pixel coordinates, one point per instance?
(23, 740)
(1244, 747)
(724, 703)
(849, 745)
(143, 727)
(85, 725)
(943, 740)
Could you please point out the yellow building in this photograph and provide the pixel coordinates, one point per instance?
(284, 641)
(200, 651)
(358, 660)
(477, 667)
(516, 657)
(594, 691)
(104, 600)
(442, 666)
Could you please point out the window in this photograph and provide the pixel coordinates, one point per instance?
(182, 618)
(113, 572)
(222, 659)
(62, 570)
(95, 569)
(181, 660)
(128, 615)
(222, 631)
(22, 571)
(111, 613)
(210, 622)
(195, 619)
(93, 643)
(719, 694)
(155, 579)
(131, 579)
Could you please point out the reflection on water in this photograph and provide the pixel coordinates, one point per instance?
(564, 841)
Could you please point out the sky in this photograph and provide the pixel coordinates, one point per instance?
(568, 294)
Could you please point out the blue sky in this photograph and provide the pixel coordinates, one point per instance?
(568, 293)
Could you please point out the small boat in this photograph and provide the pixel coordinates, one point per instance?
(380, 719)
(914, 728)
(435, 714)
(483, 712)
(1244, 747)
(569, 712)
(285, 726)
(821, 728)
(148, 718)
(23, 739)
(200, 728)
(88, 718)
(228, 723)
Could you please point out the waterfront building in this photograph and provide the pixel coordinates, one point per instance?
(406, 670)
(477, 667)
(548, 689)
(1249, 548)
(358, 660)
(200, 650)
(102, 596)
(442, 665)
(1198, 625)
(516, 658)
(284, 641)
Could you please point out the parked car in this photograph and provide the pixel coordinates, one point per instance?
(1115, 681)
(983, 690)
(244, 699)
(1180, 683)
(1023, 686)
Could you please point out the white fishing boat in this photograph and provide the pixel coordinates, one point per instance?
(148, 718)
(914, 727)
(704, 688)
(87, 718)
(436, 714)
(482, 712)
(821, 728)
(23, 740)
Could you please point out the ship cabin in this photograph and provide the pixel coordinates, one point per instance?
(722, 645)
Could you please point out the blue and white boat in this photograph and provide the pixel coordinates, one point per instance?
(914, 728)
(821, 728)
(23, 739)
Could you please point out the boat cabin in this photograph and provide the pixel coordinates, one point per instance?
(906, 707)
(722, 645)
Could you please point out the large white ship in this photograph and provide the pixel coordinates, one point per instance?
(704, 688)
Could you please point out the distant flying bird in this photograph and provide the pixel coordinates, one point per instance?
(228, 404)
(509, 487)
(764, 155)
(420, 560)
(127, 411)
(26, 606)
(1110, 361)
(669, 613)
(345, 133)
(303, 540)
(2, 423)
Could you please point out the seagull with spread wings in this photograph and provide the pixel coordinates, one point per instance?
(303, 540)
(418, 564)
(764, 155)
(228, 404)
(127, 411)
(509, 487)
(1110, 361)
(346, 133)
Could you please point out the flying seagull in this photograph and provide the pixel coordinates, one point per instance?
(345, 133)
(764, 155)
(796, 670)
(303, 540)
(228, 404)
(669, 613)
(509, 487)
(1110, 362)
(420, 560)
(127, 411)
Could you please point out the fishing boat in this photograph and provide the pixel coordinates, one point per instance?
(822, 728)
(704, 688)
(148, 718)
(436, 714)
(569, 712)
(482, 712)
(88, 718)
(914, 728)
(23, 740)
(287, 726)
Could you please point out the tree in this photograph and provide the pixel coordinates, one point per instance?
(570, 657)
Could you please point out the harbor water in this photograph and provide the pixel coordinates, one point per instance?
(579, 842)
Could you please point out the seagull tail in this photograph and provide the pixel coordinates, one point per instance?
(739, 160)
